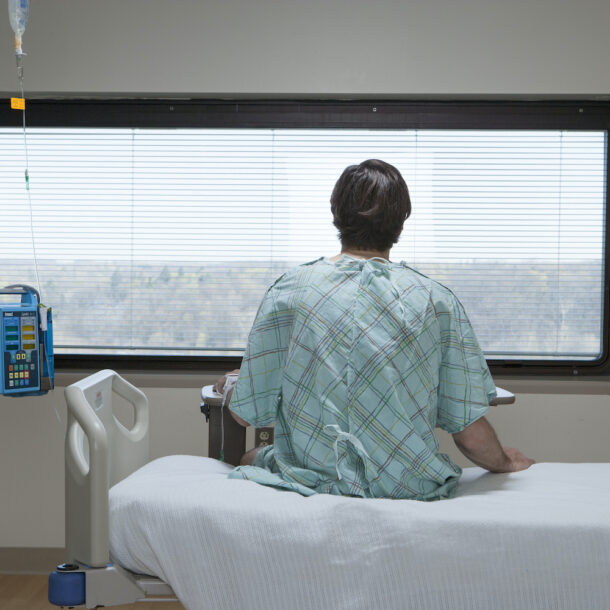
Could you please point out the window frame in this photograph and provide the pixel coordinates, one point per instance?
(319, 114)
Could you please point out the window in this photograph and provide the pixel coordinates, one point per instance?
(161, 240)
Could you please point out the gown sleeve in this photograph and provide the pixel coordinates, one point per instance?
(465, 383)
(257, 394)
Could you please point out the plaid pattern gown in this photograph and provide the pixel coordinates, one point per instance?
(356, 362)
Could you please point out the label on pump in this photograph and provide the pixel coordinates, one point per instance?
(18, 103)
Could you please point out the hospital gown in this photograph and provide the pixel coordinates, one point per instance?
(356, 362)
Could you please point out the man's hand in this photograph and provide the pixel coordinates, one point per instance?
(219, 386)
(517, 460)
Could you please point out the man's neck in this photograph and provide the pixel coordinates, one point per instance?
(385, 254)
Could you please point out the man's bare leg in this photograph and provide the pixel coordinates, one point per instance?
(248, 457)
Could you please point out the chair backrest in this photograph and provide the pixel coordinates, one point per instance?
(100, 452)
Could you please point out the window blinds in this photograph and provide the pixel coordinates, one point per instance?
(163, 241)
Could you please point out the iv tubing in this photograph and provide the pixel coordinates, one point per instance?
(19, 58)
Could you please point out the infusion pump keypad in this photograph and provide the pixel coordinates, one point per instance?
(20, 356)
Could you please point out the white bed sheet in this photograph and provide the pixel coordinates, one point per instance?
(538, 539)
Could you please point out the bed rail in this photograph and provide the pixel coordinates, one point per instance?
(100, 452)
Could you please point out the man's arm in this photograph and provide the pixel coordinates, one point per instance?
(479, 443)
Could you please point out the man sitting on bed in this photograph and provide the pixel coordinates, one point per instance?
(356, 359)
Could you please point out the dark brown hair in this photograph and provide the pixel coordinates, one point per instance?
(370, 204)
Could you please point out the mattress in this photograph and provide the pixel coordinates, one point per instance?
(535, 539)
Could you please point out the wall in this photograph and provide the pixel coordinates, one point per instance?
(320, 48)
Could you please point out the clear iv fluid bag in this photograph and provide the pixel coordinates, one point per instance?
(18, 13)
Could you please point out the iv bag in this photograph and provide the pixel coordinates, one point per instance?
(18, 13)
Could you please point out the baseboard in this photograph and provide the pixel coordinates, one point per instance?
(22, 560)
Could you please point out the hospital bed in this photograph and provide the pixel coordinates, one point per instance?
(178, 526)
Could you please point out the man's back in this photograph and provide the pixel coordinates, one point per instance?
(356, 362)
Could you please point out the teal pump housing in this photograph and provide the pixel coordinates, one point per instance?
(26, 344)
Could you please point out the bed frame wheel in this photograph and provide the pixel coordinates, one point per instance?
(66, 586)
